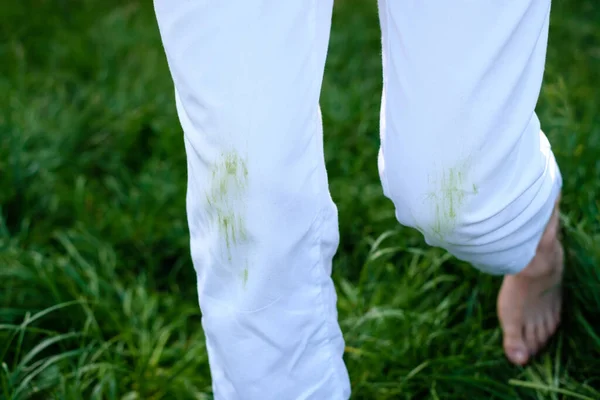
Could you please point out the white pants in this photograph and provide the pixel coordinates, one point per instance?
(462, 157)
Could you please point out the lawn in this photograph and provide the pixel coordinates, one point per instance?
(97, 290)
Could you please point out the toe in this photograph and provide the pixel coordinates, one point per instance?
(556, 310)
(515, 347)
(531, 337)
(551, 323)
(516, 354)
(542, 333)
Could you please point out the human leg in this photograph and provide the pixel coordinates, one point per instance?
(263, 227)
(462, 156)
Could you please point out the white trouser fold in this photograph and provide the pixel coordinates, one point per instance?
(462, 158)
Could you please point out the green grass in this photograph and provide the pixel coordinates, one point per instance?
(96, 284)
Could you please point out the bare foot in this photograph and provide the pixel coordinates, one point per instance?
(529, 303)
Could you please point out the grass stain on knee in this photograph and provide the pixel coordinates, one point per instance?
(245, 277)
(447, 197)
(226, 200)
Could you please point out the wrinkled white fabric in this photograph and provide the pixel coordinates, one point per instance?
(462, 158)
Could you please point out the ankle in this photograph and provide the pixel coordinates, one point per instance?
(547, 261)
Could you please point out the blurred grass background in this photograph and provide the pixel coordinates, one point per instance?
(97, 289)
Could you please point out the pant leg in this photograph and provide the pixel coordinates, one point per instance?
(263, 227)
(462, 156)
